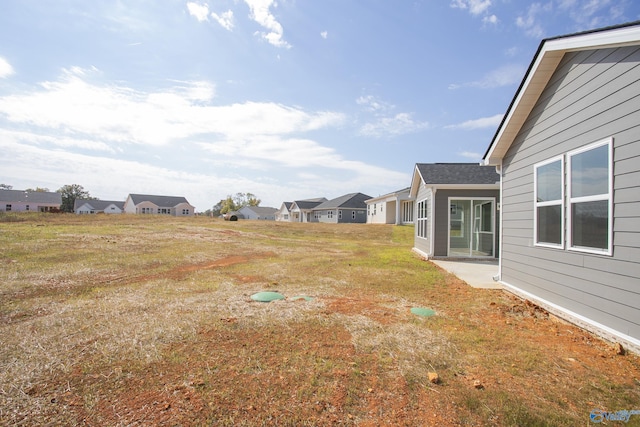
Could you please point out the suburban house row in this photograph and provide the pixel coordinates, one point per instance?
(348, 208)
(44, 201)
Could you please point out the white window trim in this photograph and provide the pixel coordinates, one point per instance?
(608, 197)
(537, 204)
(418, 219)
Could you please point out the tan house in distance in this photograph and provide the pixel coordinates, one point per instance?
(158, 205)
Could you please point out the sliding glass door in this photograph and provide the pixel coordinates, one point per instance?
(471, 227)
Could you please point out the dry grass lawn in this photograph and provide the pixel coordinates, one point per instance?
(146, 320)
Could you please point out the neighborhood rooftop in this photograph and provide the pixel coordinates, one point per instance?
(164, 201)
(457, 173)
(20, 196)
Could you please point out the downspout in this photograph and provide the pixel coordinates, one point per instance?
(432, 236)
(498, 277)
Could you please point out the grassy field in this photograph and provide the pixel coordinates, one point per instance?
(147, 320)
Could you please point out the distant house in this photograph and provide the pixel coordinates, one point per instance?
(158, 205)
(568, 150)
(82, 206)
(258, 212)
(392, 208)
(284, 213)
(29, 201)
(456, 210)
(302, 210)
(350, 208)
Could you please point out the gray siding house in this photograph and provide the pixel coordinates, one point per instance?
(568, 150)
(456, 210)
(29, 201)
(97, 206)
(258, 212)
(350, 208)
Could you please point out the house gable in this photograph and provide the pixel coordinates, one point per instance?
(545, 62)
(588, 102)
(434, 187)
(152, 204)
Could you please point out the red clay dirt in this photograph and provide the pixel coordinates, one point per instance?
(236, 376)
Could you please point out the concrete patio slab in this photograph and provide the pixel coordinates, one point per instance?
(478, 274)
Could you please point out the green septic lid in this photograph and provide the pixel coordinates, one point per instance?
(299, 297)
(266, 296)
(424, 312)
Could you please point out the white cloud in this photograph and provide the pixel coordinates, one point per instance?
(71, 115)
(470, 155)
(225, 19)
(107, 178)
(261, 13)
(530, 22)
(199, 11)
(400, 124)
(593, 13)
(5, 68)
(484, 122)
(492, 19)
(373, 104)
(384, 122)
(57, 141)
(122, 115)
(503, 76)
(76, 129)
(475, 7)
(512, 51)
(324, 35)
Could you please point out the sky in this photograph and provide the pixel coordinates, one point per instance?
(288, 100)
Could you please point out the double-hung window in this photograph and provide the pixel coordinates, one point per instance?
(549, 196)
(588, 202)
(422, 220)
(590, 206)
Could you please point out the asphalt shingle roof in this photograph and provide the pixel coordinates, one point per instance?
(309, 203)
(457, 173)
(98, 205)
(160, 201)
(351, 200)
(263, 210)
(30, 196)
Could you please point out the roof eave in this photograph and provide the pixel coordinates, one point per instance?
(549, 54)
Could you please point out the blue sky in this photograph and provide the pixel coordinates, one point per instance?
(288, 99)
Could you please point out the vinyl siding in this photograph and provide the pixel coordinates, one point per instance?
(593, 95)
